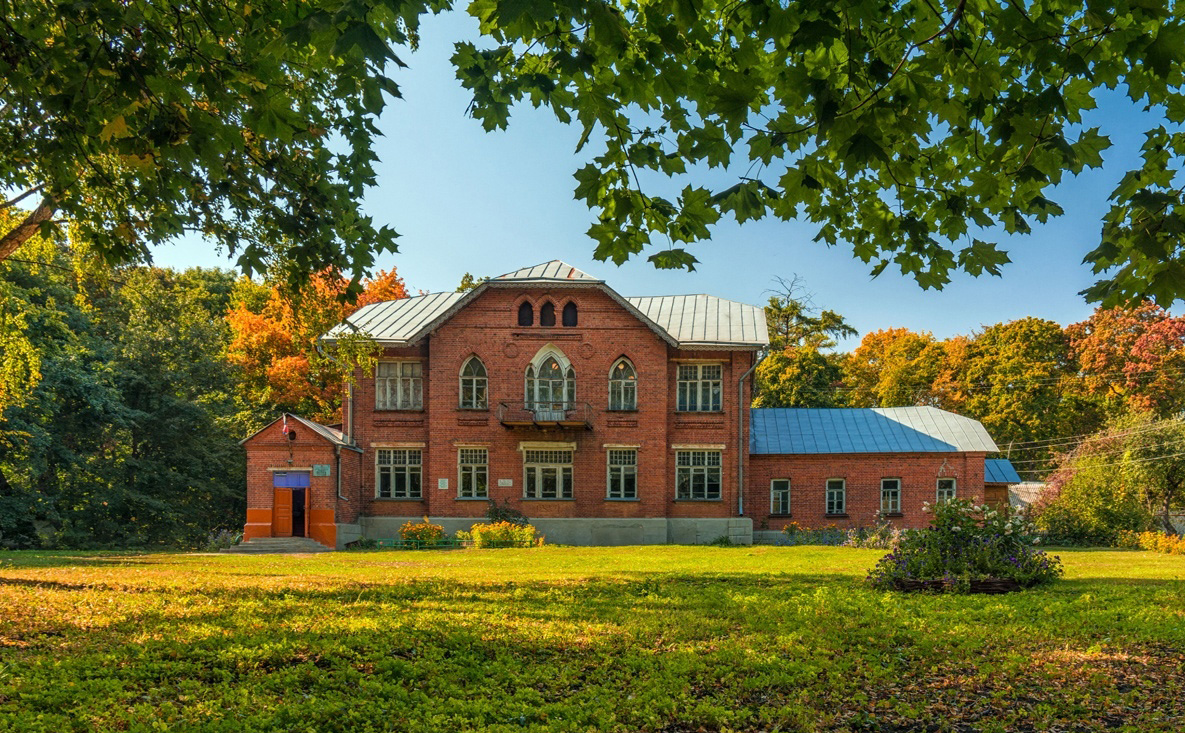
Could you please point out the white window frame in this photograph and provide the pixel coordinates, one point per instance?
(399, 391)
(538, 464)
(835, 498)
(942, 494)
(890, 497)
(704, 466)
(779, 497)
(565, 385)
(699, 387)
(474, 383)
(621, 474)
(623, 390)
(473, 472)
(397, 462)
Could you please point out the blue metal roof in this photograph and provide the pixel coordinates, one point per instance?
(999, 471)
(794, 430)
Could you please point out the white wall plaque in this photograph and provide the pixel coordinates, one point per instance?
(442, 483)
(504, 482)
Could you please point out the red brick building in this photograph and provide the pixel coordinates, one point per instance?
(605, 419)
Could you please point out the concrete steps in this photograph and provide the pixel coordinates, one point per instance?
(276, 545)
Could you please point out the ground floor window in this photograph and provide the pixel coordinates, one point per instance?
(473, 473)
(836, 496)
(697, 474)
(946, 489)
(623, 473)
(890, 496)
(397, 473)
(547, 474)
(779, 496)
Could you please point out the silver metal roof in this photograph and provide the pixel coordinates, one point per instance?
(1025, 493)
(554, 270)
(702, 320)
(789, 430)
(397, 321)
(999, 471)
(333, 435)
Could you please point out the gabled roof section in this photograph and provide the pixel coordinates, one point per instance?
(999, 471)
(806, 431)
(705, 320)
(554, 271)
(333, 435)
(396, 321)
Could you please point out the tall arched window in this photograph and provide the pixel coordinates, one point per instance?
(526, 314)
(550, 383)
(569, 317)
(623, 386)
(473, 384)
(547, 314)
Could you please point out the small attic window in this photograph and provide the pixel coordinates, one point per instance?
(570, 314)
(526, 314)
(547, 315)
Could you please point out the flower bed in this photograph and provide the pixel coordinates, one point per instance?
(966, 549)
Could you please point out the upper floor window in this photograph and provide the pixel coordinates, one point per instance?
(890, 496)
(623, 386)
(547, 314)
(473, 384)
(399, 385)
(946, 489)
(397, 473)
(700, 387)
(526, 314)
(697, 474)
(779, 496)
(836, 496)
(569, 316)
(550, 383)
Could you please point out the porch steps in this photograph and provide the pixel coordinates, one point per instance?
(277, 545)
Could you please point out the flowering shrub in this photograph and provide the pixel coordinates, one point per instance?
(1169, 544)
(421, 534)
(966, 543)
(883, 535)
(504, 534)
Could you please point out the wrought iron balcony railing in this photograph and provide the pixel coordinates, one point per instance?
(545, 414)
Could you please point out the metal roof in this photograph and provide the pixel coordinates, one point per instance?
(999, 471)
(705, 319)
(549, 271)
(1025, 493)
(396, 320)
(333, 435)
(790, 430)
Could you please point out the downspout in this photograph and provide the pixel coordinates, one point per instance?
(337, 455)
(742, 449)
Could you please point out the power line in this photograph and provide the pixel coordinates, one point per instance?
(1113, 452)
(1088, 437)
(1120, 463)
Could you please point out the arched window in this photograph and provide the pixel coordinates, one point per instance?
(623, 386)
(569, 314)
(547, 315)
(550, 383)
(526, 314)
(473, 384)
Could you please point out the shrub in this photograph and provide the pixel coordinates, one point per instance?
(363, 543)
(883, 535)
(1169, 544)
(723, 541)
(829, 535)
(504, 513)
(504, 534)
(421, 534)
(220, 539)
(966, 543)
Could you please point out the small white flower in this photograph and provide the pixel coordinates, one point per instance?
(954, 529)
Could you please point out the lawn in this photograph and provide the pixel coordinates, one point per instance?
(580, 639)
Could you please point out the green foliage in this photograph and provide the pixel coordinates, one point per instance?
(504, 534)
(421, 534)
(577, 639)
(221, 539)
(966, 543)
(504, 513)
(914, 132)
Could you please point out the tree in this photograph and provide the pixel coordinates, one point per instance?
(893, 367)
(469, 282)
(909, 130)
(248, 123)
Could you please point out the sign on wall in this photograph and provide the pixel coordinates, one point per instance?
(320, 469)
(504, 482)
(442, 483)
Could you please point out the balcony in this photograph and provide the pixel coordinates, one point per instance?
(545, 416)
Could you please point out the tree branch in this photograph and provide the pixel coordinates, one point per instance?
(19, 234)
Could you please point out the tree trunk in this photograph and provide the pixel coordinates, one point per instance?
(12, 240)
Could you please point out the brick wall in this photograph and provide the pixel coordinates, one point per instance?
(269, 450)
(808, 475)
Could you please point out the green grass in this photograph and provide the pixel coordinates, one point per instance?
(579, 639)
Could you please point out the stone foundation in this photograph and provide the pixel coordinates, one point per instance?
(589, 532)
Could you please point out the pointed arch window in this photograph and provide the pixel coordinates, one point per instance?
(569, 315)
(526, 314)
(473, 385)
(623, 386)
(547, 314)
(550, 383)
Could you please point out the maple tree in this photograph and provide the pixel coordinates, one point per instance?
(893, 367)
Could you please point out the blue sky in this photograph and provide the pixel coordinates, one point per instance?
(465, 200)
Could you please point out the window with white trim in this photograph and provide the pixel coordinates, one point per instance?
(890, 496)
(697, 475)
(623, 473)
(473, 384)
(946, 489)
(550, 386)
(837, 490)
(623, 386)
(473, 473)
(397, 473)
(399, 385)
(700, 387)
(779, 496)
(547, 474)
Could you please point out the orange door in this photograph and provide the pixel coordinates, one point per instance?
(282, 518)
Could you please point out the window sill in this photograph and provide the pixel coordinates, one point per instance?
(417, 500)
(786, 516)
(698, 501)
(473, 409)
(544, 499)
(705, 413)
(835, 516)
(472, 498)
(892, 515)
(609, 498)
(622, 410)
(399, 409)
